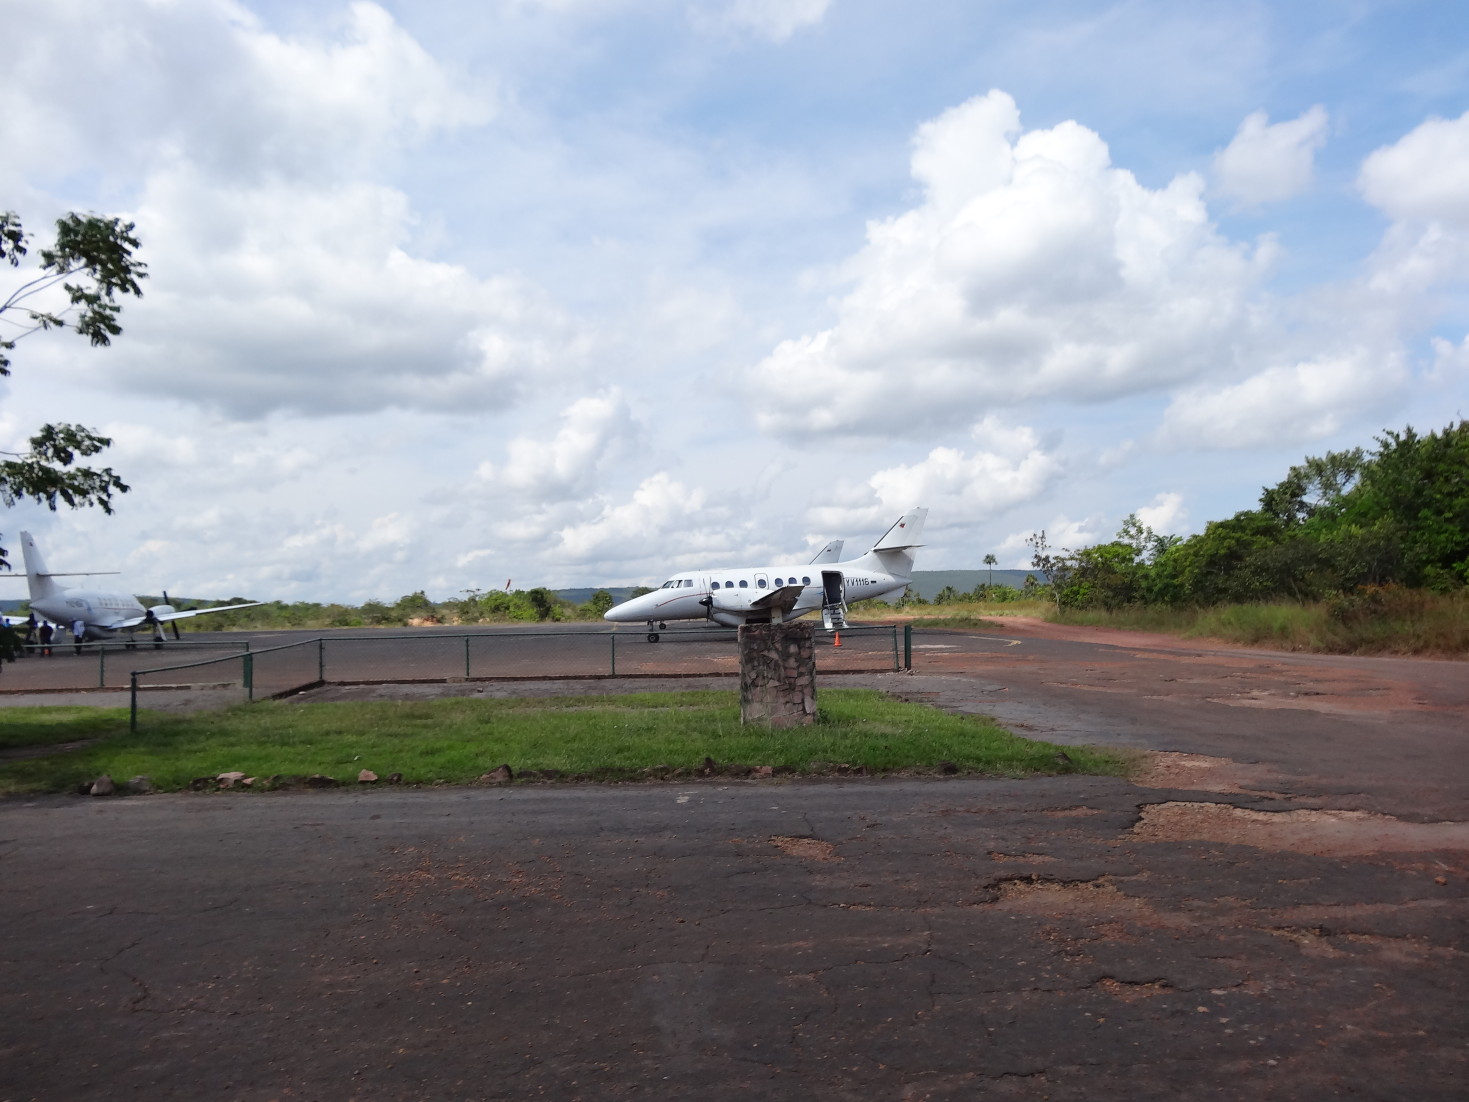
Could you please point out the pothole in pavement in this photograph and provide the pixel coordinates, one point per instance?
(1322, 833)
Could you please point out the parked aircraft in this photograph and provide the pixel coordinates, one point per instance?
(731, 596)
(103, 615)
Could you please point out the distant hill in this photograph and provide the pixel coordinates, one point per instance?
(927, 583)
(581, 596)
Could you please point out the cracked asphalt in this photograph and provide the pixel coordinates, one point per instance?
(1234, 926)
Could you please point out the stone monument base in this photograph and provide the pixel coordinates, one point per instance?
(777, 674)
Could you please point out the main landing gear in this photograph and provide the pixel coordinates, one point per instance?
(653, 628)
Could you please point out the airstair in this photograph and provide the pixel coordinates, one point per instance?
(833, 600)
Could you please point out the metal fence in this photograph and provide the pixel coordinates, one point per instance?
(63, 666)
(259, 673)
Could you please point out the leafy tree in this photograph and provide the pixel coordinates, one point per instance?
(1417, 489)
(543, 601)
(92, 264)
(599, 603)
(1058, 569)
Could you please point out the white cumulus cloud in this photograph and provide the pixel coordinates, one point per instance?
(594, 431)
(1165, 514)
(1033, 269)
(1300, 401)
(1424, 176)
(1267, 162)
(285, 296)
(776, 20)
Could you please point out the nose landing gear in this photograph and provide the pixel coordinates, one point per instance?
(653, 628)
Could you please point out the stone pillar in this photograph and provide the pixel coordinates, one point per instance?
(777, 674)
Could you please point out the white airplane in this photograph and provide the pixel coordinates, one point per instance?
(103, 615)
(731, 596)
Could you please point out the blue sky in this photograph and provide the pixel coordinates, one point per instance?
(572, 291)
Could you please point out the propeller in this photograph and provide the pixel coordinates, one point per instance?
(174, 624)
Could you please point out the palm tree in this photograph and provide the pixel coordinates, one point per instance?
(989, 561)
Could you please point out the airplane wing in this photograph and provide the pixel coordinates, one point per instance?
(784, 599)
(139, 621)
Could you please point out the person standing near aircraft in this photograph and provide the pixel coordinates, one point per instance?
(79, 633)
(30, 632)
(46, 632)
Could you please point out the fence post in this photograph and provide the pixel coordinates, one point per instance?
(613, 636)
(907, 646)
(466, 658)
(249, 677)
(897, 659)
(101, 665)
(133, 705)
(321, 659)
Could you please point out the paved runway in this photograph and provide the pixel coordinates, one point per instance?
(1277, 909)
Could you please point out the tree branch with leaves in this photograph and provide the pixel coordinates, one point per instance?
(89, 267)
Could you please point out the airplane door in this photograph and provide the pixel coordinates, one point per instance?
(833, 589)
(762, 582)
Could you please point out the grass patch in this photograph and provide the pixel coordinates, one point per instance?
(456, 740)
(962, 614)
(24, 727)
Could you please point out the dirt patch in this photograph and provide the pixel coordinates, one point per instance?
(810, 849)
(1322, 833)
(1164, 769)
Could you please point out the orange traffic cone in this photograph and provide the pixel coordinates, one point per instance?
(838, 640)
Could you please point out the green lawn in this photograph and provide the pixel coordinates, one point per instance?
(456, 740)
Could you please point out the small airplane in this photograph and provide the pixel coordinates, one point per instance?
(731, 596)
(102, 615)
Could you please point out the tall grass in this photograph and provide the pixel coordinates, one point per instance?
(1372, 620)
(1382, 620)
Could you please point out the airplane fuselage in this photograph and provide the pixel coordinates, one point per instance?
(735, 595)
(98, 610)
(728, 596)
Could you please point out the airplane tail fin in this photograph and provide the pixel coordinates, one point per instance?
(897, 549)
(38, 578)
(832, 552)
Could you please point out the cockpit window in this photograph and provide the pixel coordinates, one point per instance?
(689, 583)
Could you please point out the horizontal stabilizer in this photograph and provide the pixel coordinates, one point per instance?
(905, 533)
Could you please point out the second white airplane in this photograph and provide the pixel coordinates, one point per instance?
(731, 596)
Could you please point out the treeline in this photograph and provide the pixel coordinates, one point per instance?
(1341, 528)
(413, 609)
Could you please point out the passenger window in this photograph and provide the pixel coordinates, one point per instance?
(777, 583)
(713, 585)
(729, 585)
(805, 580)
(744, 584)
(760, 582)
